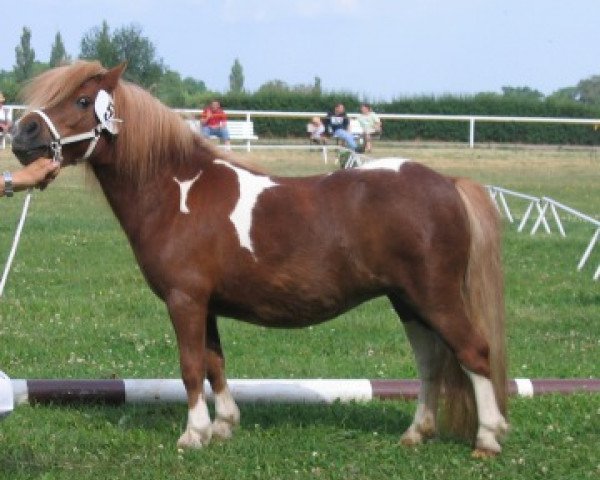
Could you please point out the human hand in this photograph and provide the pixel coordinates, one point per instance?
(38, 173)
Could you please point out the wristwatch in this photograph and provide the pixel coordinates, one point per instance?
(8, 184)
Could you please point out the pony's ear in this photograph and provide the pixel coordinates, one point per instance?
(111, 78)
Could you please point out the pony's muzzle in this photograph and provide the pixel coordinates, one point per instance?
(29, 142)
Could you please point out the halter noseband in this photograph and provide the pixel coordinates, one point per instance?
(104, 109)
(57, 144)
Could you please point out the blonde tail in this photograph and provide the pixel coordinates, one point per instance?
(483, 294)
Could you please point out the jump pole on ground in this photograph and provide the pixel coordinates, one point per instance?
(307, 391)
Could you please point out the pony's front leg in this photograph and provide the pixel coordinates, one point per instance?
(227, 413)
(189, 320)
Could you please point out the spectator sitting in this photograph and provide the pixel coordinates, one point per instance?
(5, 123)
(370, 123)
(214, 122)
(337, 123)
(316, 129)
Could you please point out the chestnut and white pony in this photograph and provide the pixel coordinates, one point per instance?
(214, 237)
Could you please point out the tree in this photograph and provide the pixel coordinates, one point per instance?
(126, 44)
(139, 53)
(317, 87)
(588, 90)
(8, 86)
(175, 92)
(273, 86)
(58, 54)
(25, 57)
(524, 93)
(564, 94)
(97, 45)
(236, 78)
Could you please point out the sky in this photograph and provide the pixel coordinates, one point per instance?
(378, 49)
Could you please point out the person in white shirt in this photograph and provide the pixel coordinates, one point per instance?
(370, 122)
(316, 129)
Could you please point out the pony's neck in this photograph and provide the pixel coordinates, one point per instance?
(138, 205)
(126, 200)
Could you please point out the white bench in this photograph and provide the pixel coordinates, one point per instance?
(238, 130)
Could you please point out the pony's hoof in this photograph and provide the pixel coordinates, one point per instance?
(222, 429)
(411, 438)
(502, 430)
(486, 447)
(482, 453)
(416, 435)
(195, 439)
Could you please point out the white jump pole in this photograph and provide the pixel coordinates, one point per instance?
(303, 391)
(7, 403)
(15, 243)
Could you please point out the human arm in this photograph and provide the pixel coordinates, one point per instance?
(37, 174)
(377, 124)
(221, 116)
(205, 116)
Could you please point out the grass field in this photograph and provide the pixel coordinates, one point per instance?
(76, 306)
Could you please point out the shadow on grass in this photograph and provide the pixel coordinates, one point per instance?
(19, 460)
(383, 417)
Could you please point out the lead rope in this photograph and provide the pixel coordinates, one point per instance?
(15, 243)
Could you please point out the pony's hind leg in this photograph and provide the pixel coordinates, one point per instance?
(492, 424)
(227, 413)
(429, 352)
(472, 353)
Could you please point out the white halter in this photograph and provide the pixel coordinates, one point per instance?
(57, 144)
(104, 109)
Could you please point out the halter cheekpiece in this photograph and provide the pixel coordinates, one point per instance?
(104, 108)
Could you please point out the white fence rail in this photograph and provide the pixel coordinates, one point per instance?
(471, 120)
(542, 206)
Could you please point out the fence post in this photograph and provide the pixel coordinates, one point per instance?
(471, 132)
(541, 218)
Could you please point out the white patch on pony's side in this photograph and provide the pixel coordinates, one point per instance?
(393, 164)
(184, 189)
(251, 186)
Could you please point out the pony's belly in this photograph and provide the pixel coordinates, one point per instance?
(285, 312)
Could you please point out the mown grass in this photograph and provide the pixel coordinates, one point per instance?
(76, 306)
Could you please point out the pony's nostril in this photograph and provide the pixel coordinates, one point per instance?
(32, 129)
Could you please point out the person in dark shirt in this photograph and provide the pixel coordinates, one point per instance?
(336, 125)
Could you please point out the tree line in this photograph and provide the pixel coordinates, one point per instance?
(128, 43)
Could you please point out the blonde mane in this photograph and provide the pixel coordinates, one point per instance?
(150, 134)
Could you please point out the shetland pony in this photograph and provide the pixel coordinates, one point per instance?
(214, 237)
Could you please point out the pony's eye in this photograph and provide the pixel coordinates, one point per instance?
(83, 102)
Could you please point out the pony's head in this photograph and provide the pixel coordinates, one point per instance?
(85, 111)
(70, 113)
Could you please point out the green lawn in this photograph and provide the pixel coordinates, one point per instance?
(76, 306)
